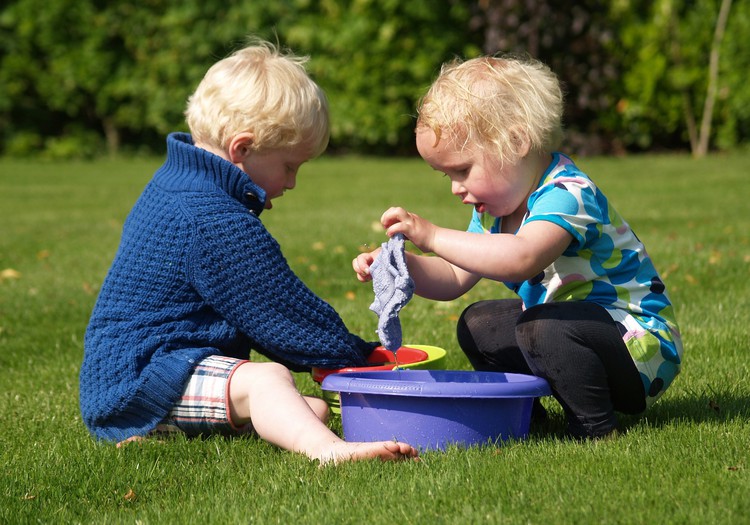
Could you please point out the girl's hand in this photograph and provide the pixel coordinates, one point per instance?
(419, 231)
(361, 265)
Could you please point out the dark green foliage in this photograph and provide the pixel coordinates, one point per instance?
(375, 58)
(82, 77)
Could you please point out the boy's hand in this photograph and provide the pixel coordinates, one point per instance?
(419, 231)
(362, 263)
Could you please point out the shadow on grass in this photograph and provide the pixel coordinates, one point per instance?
(712, 406)
(706, 407)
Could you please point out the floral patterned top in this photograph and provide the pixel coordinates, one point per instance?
(605, 263)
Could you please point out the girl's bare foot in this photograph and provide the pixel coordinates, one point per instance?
(341, 451)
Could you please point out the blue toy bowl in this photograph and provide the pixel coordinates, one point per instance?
(431, 409)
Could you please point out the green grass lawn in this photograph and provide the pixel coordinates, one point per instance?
(685, 461)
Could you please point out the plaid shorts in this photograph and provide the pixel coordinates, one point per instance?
(204, 405)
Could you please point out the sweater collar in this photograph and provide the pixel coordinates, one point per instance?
(189, 167)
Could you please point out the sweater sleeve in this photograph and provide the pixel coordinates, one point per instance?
(239, 270)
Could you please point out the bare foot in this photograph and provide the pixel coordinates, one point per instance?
(341, 451)
(132, 439)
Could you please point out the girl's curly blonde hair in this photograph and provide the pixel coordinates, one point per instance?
(505, 104)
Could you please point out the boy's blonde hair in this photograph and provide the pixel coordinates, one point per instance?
(498, 103)
(262, 90)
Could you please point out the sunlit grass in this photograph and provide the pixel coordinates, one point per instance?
(685, 461)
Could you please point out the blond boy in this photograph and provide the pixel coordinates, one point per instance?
(198, 280)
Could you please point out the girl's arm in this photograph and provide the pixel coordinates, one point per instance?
(437, 279)
(501, 257)
(434, 278)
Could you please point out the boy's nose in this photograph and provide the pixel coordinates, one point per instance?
(457, 188)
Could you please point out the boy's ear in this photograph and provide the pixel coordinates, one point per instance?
(240, 147)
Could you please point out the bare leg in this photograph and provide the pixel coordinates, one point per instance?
(319, 406)
(265, 395)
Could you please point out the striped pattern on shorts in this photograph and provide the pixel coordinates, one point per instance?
(204, 405)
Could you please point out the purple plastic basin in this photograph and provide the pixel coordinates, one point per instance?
(431, 409)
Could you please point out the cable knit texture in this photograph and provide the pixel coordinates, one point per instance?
(197, 274)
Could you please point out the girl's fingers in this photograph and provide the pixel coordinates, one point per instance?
(392, 216)
(361, 266)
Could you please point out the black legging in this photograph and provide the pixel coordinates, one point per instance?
(575, 346)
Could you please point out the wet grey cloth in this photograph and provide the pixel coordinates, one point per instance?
(393, 288)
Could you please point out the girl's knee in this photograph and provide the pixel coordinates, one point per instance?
(462, 328)
(466, 331)
(480, 319)
(475, 312)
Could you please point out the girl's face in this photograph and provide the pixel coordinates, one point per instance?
(478, 177)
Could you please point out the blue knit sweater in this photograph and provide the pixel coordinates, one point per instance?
(196, 274)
